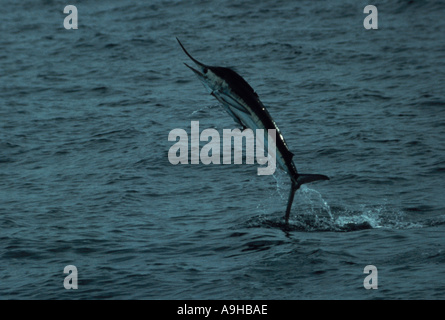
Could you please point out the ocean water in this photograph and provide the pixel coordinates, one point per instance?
(85, 178)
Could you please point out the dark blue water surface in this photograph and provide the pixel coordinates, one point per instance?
(85, 178)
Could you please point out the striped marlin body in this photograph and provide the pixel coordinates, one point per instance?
(243, 104)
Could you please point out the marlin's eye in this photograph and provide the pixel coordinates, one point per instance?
(205, 70)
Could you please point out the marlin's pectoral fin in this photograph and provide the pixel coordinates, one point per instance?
(233, 102)
(228, 107)
(237, 120)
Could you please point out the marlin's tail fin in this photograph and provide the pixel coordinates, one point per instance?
(306, 178)
(296, 183)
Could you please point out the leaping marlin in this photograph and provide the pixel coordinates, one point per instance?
(243, 104)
